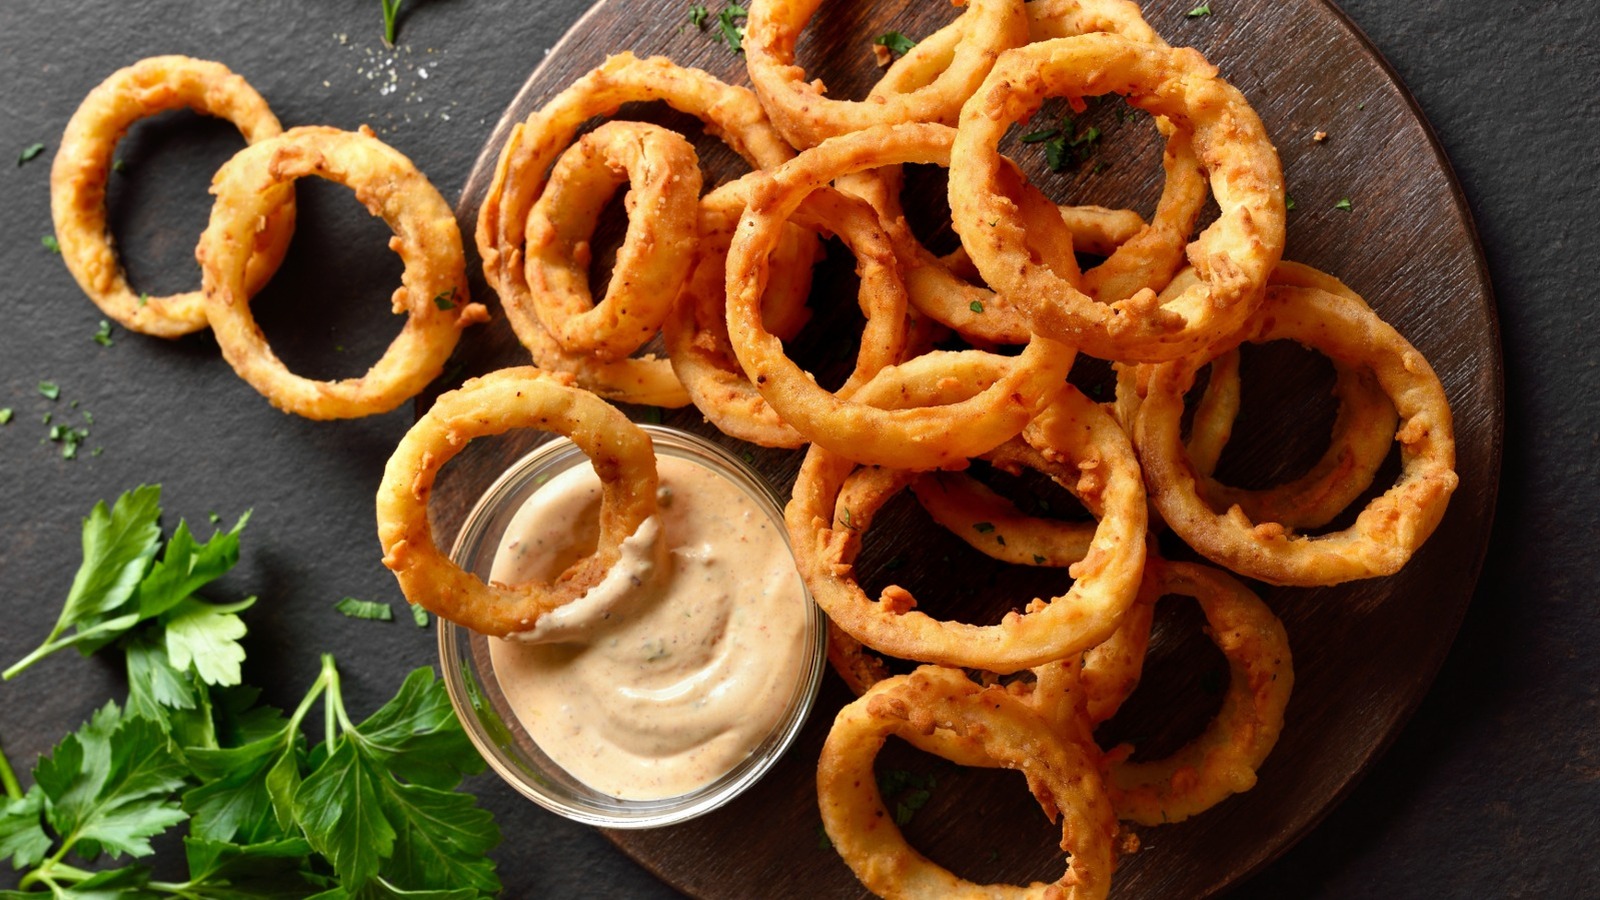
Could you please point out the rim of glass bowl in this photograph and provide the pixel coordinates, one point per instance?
(494, 730)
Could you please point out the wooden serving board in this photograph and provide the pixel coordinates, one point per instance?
(1364, 653)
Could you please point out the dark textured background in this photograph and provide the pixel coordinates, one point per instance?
(1494, 787)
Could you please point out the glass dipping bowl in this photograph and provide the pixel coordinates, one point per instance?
(488, 718)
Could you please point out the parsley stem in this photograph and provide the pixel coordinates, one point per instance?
(8, 778)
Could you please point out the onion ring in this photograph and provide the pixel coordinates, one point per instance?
(697, 337)
(495, 403)
(733, 113)
(1391, 527)
(663, 174)
(1234, 255)
(981, 721)
(78, 184)
(1223, 759)
(804, 116)
(920, 438)
(433, 291)
(1084, 439)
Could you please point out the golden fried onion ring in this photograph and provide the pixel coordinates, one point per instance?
(1085, 440)
(732, 113)
(495, 403)
(82, 165)
(696, 333)
(1391, 527)
(433, 291)
(969, 721)
(1234, 255)
(663, 175)
(909, 438)
(1223, 759)
(806, 117)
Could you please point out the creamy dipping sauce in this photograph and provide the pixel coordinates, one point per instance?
(680, 663)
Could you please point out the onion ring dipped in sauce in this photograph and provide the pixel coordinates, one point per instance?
(1084, 439)
(1389, 529)
(732, 113)
(910, 437)
(806, 117)
(83, 164)
(493, 404)
(663, 176)
(966, 721)
(1234, 255)
(679, 664)
(433, 291)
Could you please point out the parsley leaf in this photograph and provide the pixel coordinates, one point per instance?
(446, 300)
(1343, 204)
(897, 43)
(29, 152)
(102, 335)
(50, 243)
(118, 545)
(1288, 202)
(729, 30)
(22, 835)
(976, 306)
(49, 390)
(5, 416)
(1203, 9)
(983, 527)
(365, 609)
(419, 615)
(697, 16)
(205, 636)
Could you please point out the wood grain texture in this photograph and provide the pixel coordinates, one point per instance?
(1364, 653)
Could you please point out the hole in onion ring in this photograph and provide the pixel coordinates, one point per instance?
(155, 206)
(1180, 690)
(839, 36)
(349, 335)
(1286, 412)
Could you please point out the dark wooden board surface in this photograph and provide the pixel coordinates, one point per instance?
(1364, 653)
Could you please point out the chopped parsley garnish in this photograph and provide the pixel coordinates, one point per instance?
(1203, 9)
(365, 609)
(446, 300)
(419, 615)
(49, 390)
(983, 527)
(823, 842)
(976, 306)
(144, 299)
(897, 43)
(908, 792)
(730, 29)
(748, 457)
(1064, 145)
(119, 166)
(5, 416)
(1343, 204)
(214, 518)
(1039, 560)
(697, 16)
(50, 243)
(1288, 202)
(29, 152)
(391, 12)
(102, 335)
(848, 519)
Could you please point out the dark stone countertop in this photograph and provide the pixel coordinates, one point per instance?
(1494, 786)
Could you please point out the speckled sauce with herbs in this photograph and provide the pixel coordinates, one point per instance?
(680, 663)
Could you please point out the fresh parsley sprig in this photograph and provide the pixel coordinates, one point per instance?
(391, 12)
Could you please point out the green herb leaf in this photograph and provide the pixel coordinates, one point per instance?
(29, 152)
(697, 16)
(1055, 153)
(983, 527)
(5, 416)
(119, 166)
(446, 300)
(1343, 204)
(205, 637)
(118, 545)
(976, 306)
(1039, 560)
(897, 43)
(365, 609)
(337, 805)
(1034, 137)
(108, 785)
(102, 335)
(49, 390)
(22, 835)
(1202, 10)
(419, 615)
(1288, 202)
(187, 566)
(729, 31)
(50, 243)
(391, 12)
